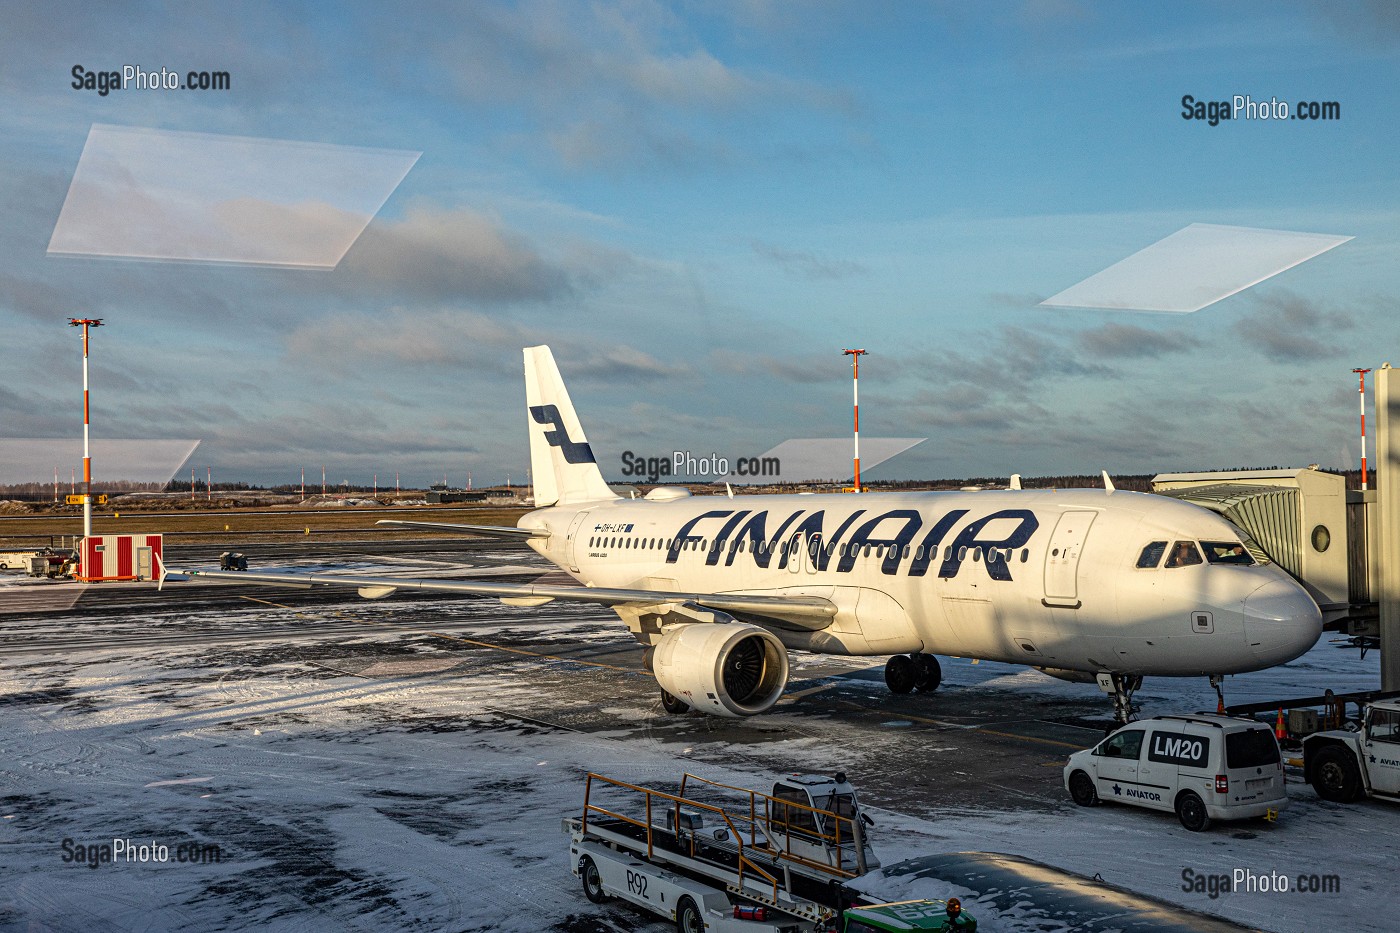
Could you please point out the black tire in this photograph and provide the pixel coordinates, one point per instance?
(1082, 790)
(1335, 776)
(900, 674)
(592, 881)
(673, 704)
(928, 673)
(688, 917)
(1191, 810)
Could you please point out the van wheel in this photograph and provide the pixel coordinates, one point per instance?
(900, 674)
(688, 919)
(1191, 810)
(1335, 775)
(592, 882)
(1081, 788)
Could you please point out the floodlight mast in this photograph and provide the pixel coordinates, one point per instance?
(86, 323)
(1361, 375)
(855, 356)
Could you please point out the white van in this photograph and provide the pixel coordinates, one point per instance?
(1204, 767)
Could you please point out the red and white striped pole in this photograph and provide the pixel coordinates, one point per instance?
(855, 356)
(85, 323)
(1361, 375)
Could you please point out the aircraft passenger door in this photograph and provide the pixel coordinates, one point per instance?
(795, 549)
(571, 541)
(1062, 558)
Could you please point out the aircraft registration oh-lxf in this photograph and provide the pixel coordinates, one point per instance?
(1092, 585)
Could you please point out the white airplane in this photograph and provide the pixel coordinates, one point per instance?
(1086, 585)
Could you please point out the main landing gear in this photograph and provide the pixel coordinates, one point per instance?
(1121, 687)
(918, 671)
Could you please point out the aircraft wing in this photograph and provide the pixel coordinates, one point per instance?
(809, 612)
(490, 531)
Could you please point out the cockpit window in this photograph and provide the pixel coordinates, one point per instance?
(1226, 552)
(1183, 554)
(1152, 555)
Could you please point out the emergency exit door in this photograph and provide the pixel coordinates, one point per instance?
(1062, 558)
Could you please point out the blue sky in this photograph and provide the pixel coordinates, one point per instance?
(698, 206)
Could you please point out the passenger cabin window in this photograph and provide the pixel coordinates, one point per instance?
(1183, 554)
(1226, 552)
(1123, 745)
(1151, 555)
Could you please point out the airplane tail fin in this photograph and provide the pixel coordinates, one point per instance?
(561, 461)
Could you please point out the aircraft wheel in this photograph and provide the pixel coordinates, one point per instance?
(1191, 810)
(673, 704)
(900, 674)
(928, 673)
(1335, 776)
(592, 881)
(1081, 788)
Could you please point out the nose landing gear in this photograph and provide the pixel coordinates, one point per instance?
(1121, 687)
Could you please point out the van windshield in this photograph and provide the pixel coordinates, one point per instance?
(1250, 748)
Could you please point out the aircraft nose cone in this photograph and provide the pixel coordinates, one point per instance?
(1281, 621)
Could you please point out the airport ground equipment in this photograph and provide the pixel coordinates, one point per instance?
(1203, 767)
(721, 858)
(16, 560)
(1343, 765)
(52, 563)
(233, 560)
(105, 558)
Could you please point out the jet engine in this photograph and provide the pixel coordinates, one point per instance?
(722, 668)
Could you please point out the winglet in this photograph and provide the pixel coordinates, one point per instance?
(1015, 481)
(1108, 483)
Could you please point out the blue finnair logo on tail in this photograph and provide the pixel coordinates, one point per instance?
(573, 452)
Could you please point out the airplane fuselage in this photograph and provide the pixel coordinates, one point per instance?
(1044, 578)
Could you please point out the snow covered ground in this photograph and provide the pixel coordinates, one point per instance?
(427, 793)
